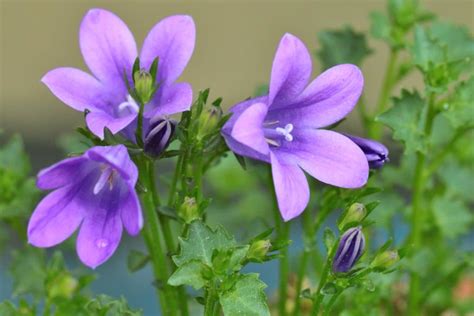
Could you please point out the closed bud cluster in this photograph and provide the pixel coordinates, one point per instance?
(385, 259)
(209, 120)
(351, 246)
(144, 85)
(355, 213)
(259, 249)
(159, 135)
(189, 210)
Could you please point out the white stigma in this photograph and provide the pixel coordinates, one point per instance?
(129, 104)
(286, 132)
(107, 176)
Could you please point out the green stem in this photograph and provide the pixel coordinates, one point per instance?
(169, 240)
(211, 307)
(364, 117)
(139, 131)
(375, 129)
(417, 209)
(331, 302)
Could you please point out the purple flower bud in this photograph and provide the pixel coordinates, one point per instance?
(159, 135)
(350, 249)
(375, 152)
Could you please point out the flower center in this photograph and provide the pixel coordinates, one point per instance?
(273, 135)
(129, 106)
(107, 176)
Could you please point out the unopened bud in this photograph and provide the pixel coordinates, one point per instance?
(208, 120)
(144, 85)
(259, 249)
(355, 213)
(385, 259)
(189, 210)
(375, 152)
(351, 247)
(159, 136)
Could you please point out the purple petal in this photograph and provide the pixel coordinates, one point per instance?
(130, 212)
(97, 121)
(62, 173)
(327, 156)
(172, 40)
(108, 47)
(117, 157)
(56, 217)
(291, 71)
(248, 128)
(327, 100)
(171, 99)
(99, 237)
(77, 89)
(291, 188)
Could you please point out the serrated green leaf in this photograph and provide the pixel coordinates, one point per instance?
(459, 109)
(404, 119)
(108, 306)
(201, 242)
(452, 217)
(457, 178)
(342, 46)
(380, 26)
(190, 273)
(245, 298)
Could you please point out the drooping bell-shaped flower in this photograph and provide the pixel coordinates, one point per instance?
(375, 152)
(94, 192)
(351, 246)
(283, 128)
(159, 135)
(109, 50)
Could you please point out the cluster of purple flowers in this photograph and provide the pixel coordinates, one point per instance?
(96, 191)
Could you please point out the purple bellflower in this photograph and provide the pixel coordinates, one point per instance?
(109, 50)
(375, 152)
(283, 127)
(95, 191)
(351, 246)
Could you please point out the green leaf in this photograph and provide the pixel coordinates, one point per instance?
(342, 46)
(107, 306)
(451, 216)
(457, 178)
(7, 309)
(404, 119)
(380, 26)
(459, 109)
(201, 242)
(246, 297)
(137, 260)
(190, 273)
(29, 272)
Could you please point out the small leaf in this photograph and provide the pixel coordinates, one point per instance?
(342, 46)
(241, 161)
(404, 119)
(452, 217)
(246, 297)
(136, 260)
(190, 273)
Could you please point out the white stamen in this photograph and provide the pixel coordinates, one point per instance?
(286, 132)
(106, 176)
(130, 103)
(272, 142)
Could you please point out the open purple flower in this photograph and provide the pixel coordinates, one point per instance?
(282, 128)
(95, 191)
(109, 50)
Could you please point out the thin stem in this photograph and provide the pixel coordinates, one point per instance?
(364, 117)
(211, 307)
(417, 209)
(308, 247)
(174, 182)
(139, 130)
(375, 129)
(331, 302)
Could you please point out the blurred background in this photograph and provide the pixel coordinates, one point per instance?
(236, 41)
